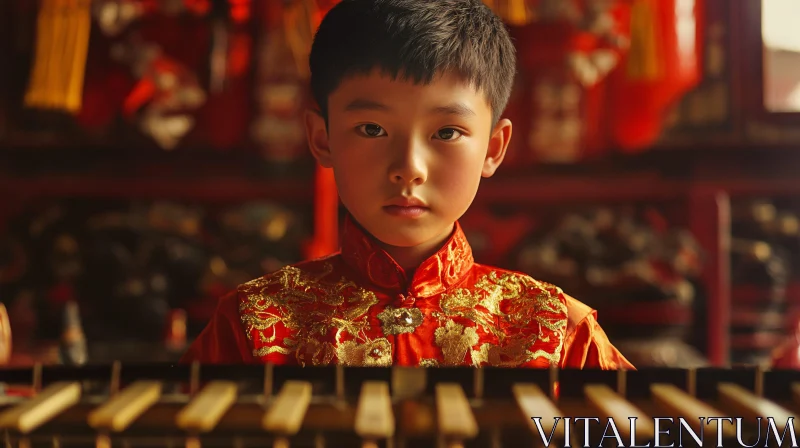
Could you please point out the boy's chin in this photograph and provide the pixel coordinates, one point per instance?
(396, 241)
(409, 238)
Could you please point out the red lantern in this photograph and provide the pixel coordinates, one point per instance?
(565, 56)
(597, 76)
(662, 64)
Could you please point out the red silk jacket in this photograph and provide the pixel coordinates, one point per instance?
(358, 308)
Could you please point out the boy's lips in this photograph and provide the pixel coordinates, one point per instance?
(406, 207)
(406, 202)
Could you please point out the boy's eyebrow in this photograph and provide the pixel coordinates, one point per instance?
(458, 109)
(364, 104)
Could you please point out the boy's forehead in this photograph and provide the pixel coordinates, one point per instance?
(401, 80)
(377, 84)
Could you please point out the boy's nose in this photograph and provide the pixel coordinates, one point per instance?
(409, 166)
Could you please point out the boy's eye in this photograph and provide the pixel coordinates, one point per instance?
(371, 130)
(448, 134)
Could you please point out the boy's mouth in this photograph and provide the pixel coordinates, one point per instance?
(406, 207)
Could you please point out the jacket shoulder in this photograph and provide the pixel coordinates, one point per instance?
(576, 310)
(289, 276)
(531, 285)
(294, 285)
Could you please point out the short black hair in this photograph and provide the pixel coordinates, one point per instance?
(414, 40)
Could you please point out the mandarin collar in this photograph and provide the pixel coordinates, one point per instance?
(435, 275)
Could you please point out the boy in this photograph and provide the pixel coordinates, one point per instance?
(410, 94)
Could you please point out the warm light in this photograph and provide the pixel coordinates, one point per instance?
(779, 24)
(781, 55)
(686, 32)
(794, 98)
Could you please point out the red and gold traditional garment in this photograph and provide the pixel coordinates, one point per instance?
(357, 308)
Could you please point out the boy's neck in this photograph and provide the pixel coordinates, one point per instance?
(409, 258)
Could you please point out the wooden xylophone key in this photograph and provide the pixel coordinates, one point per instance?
(691, 410)
(287, 412)
(121, 410)
(614, 406)
(456, 421)
(532, 401)
(374, 416)
(206, 409)
(743, 402)
(49, 403)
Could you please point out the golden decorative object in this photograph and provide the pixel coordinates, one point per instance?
(59, 66)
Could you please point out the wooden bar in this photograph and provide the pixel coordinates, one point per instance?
(194, 378)
(124, 408)
(31, 414)
(116, 371)
(478, 383)
(206, 409)
(743, 402)
(454, 414)
(374, 415)
(269, 379)
(610, 404)
(287, 412)
(680, 404)
(691, 381)
(622, 382)
(553, 389)
(340, 382)
(533, 402)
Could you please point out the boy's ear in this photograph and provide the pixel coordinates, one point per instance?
(498, 144)
(317, 134)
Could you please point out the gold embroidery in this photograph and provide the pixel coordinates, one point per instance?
(314, 352)
(267, 339)
(524, 306)
(400, 320)
(264, 351)
(320, 320)
(491, 301)
(428, 362)
(511, 355)
(462, 303)
(377, 353)
(311, 309)
(545, 285)
(455, 341)
(458, 299)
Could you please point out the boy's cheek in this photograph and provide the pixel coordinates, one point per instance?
(361, 161)
(460, 168)
(361, 168)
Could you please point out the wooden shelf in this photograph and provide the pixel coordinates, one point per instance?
(177, 176)
(211, 188)
(753, 187)
(561, 189)
(622, 189)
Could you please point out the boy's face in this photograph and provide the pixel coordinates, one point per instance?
(408, 158)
